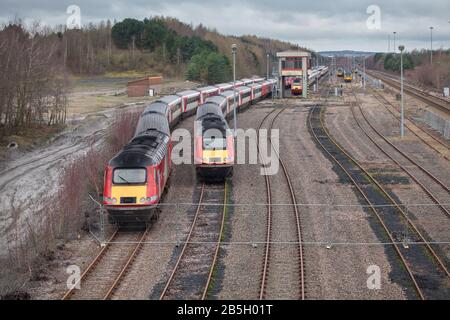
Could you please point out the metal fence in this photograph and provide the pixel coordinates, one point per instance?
(323, 224)
(438, 123)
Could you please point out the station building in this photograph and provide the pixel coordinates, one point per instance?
(292, 65)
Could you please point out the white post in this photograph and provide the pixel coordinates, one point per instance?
(394, 41)
(364, 73)
(431, 40)
(234, 49)
(267, 76)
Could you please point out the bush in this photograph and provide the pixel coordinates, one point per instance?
(209, 67)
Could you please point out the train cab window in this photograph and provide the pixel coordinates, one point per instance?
(129, 176)
(214, 143)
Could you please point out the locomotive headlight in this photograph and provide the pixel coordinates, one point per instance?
(142, 200)
(113, 200)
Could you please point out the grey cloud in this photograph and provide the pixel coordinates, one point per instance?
(322, 25)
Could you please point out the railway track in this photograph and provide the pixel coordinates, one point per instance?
(193, 272)
(437, 145)
(427, 271)
(420, 174)
(271, 276)
(437, 102)
(102, 277)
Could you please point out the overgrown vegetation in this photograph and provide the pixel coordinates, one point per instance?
(65, 216)
(418, 67)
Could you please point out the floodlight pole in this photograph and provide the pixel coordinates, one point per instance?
(233, 51)
(431, 47)
(402, 119)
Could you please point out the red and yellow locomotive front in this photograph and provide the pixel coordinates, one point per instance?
(214, 144)
(135, 178)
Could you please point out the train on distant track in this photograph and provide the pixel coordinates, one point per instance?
(340, 72)
(137, 177)
(314, 74)
(348, 76)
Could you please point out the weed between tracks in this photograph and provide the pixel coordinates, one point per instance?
(217, 266)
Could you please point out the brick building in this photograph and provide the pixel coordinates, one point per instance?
(141, 87)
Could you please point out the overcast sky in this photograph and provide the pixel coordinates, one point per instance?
(319, 24)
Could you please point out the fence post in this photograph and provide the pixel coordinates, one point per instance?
(252, 226)
(328, 227)
(406, 231)
(177, 225)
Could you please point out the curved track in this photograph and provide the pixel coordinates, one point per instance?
(437, 102)
(420, 260)
(439, 146)
(407, 169)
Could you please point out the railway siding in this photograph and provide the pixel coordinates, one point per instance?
(426, 276)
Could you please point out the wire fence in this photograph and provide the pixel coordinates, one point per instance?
(438, 123)
(322, 224)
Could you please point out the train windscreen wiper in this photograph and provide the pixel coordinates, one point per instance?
(126, 181)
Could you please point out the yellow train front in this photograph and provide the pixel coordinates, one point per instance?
(296, 87)
(214, 144)
(340, 72)
(348, 76)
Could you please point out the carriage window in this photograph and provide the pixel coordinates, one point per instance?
(129, 176)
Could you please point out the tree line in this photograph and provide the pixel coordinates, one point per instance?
(32, 78)
(204, 62)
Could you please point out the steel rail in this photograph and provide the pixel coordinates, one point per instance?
(429, 174)
(297, 220)
(358, 187)
(385, 104)
(90, 267)
(187, 242)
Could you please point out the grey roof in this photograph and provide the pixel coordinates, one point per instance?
(219, 100)
(152, 121)
(207, 88)
(242, 88)
(228, 93)
(187, 93)
(156, 107)
(170, 99)
(223, 85)
(208, 108)
(247, 80)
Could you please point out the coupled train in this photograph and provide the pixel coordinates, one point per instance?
(136, 178)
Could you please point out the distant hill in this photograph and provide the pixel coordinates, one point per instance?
(347, 53)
